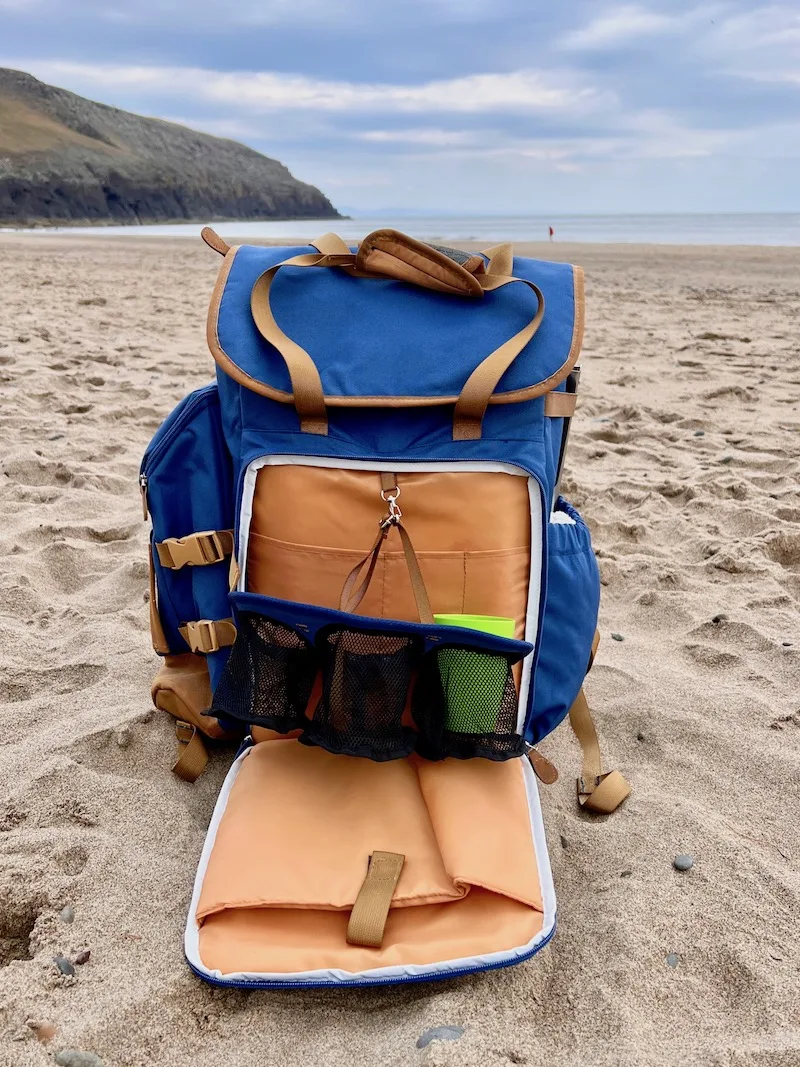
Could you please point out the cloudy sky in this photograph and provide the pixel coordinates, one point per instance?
(479, 106)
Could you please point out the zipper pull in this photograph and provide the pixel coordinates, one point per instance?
(143, 491)
(544, 770)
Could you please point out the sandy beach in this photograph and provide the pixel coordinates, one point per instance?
(685, 459)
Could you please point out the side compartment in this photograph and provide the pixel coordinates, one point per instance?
(186, 482)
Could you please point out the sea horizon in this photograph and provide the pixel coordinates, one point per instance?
(771, 229)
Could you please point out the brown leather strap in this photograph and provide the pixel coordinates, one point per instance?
(560, 405)
(382, 254)
(350, 598)
(331, 244)
(309, 399)
(195, 550)
(500, 259)
(208, 635)
(545, 771)
(598, 791)
(192, 752)
(159, 638)
(213, 240)
(371, 909)
(474, 399)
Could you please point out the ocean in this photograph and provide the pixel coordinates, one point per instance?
(744, 229)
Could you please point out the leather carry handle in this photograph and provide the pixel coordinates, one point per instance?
(413, 262)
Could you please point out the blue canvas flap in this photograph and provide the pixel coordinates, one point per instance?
(377, 340)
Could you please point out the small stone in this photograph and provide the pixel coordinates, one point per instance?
(439, 1033)
(70, 1057)
(44, 1031)
(699, 433)
(123, 737)
(626, 873)
(67, 915)
(683, 862)
(727, 459)
(63, 965)
(640, 736)
(564, 841)
(720, 618)
(55, 437)
(672, 960)
(82, 957)
(617, 637)
(786, 644)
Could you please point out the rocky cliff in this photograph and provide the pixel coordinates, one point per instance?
(66, 159)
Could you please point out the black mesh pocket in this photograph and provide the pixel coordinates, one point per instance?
(465, 705)
(365, 683)
(269, 675)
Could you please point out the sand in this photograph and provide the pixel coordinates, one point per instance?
(685, 459)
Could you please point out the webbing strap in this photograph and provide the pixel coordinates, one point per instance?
(351, 597)
(371, 909)
(598, 791)
(208, 635)
(192, 752)
(560, 405)
(195, 550)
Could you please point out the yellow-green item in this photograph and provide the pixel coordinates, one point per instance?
(474, 682)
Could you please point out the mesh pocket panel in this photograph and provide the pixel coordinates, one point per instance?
(465, 704)
(365, 683)
(269, 676)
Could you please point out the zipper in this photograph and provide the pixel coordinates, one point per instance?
(143, 491)
(383, 463)
(154, 452)
(461, 972)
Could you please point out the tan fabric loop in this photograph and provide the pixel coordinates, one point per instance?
(481, 384)
(598, 791)
(195, 550)
(192, 752)
(213, 240)
(371, 909)
(208, 635)
(560, 405)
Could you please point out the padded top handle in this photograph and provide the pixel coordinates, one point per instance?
(387, 253)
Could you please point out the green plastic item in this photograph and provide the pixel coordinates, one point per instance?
(474, 683)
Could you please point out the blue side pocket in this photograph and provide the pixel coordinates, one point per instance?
(570, 620)
(187, 477)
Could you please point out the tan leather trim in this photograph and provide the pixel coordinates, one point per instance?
(396, 255)
(213, 240)
(513, 396)
(159, 638)
(560, 405)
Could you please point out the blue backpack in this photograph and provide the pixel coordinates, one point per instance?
(362, 570)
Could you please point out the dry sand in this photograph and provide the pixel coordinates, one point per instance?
(685, 458)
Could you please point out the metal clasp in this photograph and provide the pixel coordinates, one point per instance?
(389, 496)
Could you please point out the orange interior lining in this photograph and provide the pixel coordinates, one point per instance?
(292, 847)
(312, 525)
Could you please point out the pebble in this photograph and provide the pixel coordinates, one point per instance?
(63, 965)
(82, 957)
(617, 637)
(564, 842)
(640, 736)
(70, 1057)
(626, 873)
(699, 433)
(673, 960)
(683, 862)
(67, 915)
(720, 618)
(436, 1033)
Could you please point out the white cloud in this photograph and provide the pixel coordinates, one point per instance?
(523, 90)
(419, 136)
(617, 26)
